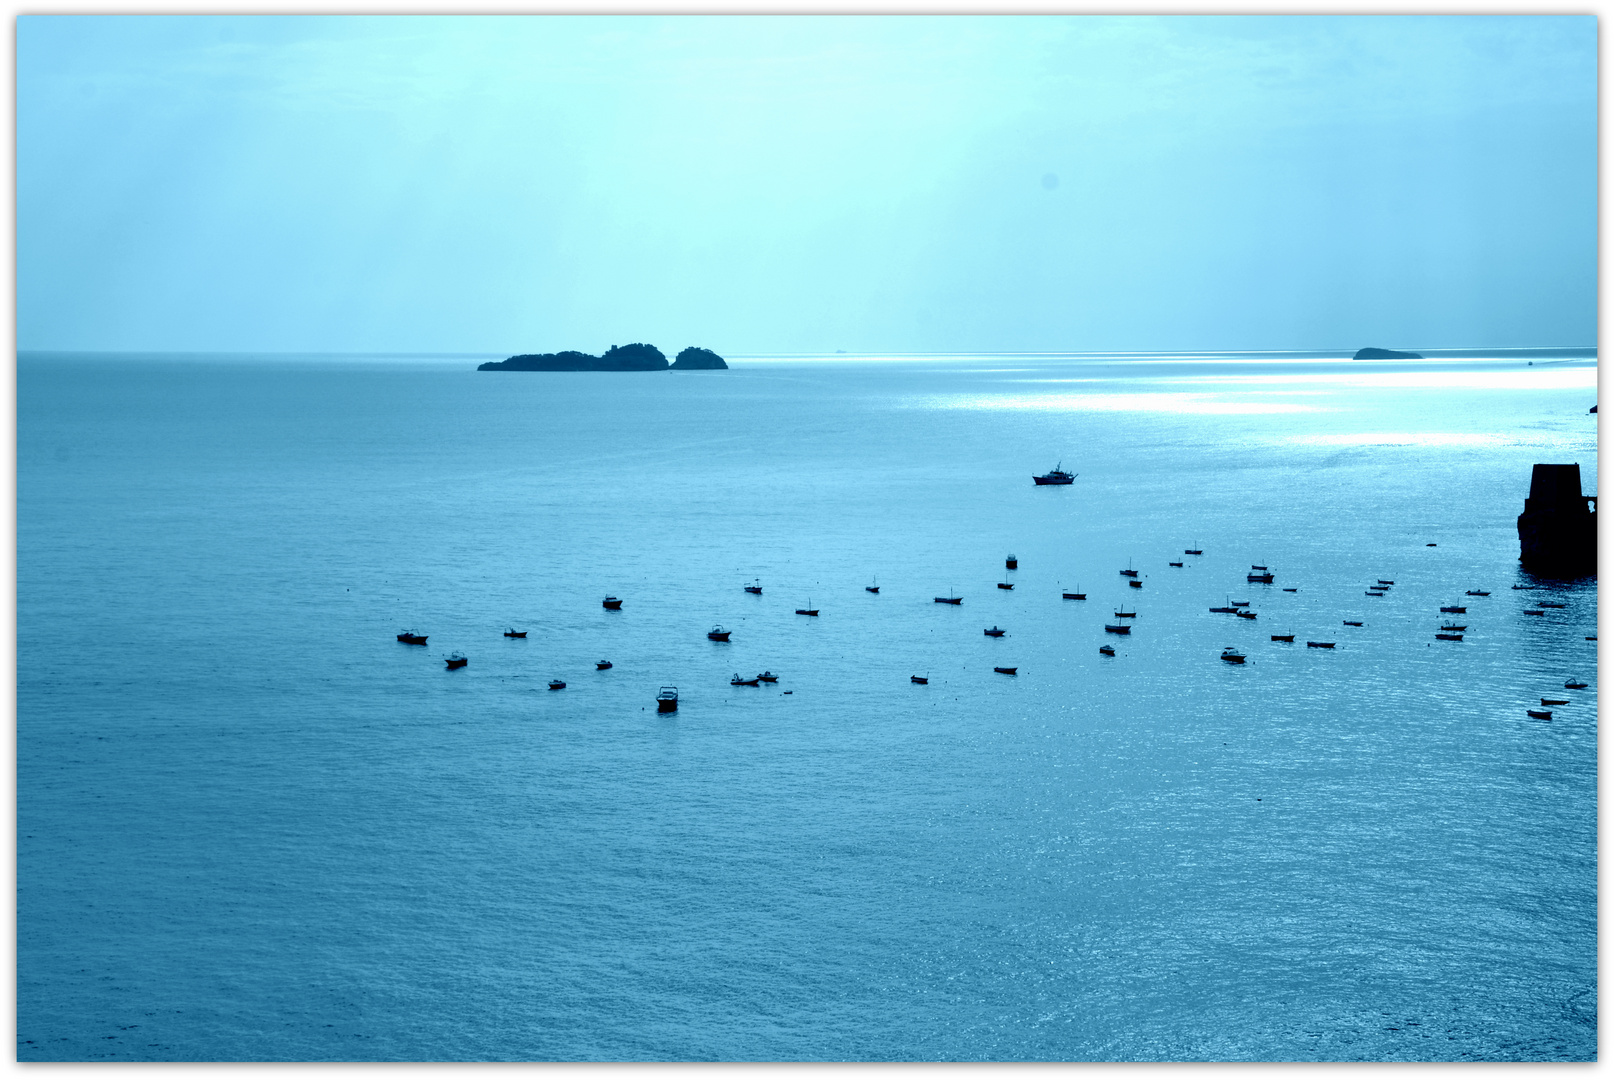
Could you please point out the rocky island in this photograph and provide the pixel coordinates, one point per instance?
(635, 357)
(1385, 354)
(695, 358)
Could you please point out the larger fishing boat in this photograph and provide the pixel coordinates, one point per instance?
(1057, 475)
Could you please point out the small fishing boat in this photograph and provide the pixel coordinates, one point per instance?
(1123, 613)
(1255, 567)
(1224, 610)
(1245, 614)
(873, 588)
(667, 699)
(955, 600)
(1319, 644)
(1454, 610)
(922, 680)
(409, 637)
(602, 665)
(1573, 684)
(1382, 581)
(1005, 585)
(556, 684)
(737, 681)
(786, 693)
(1549, 603)
(1107, 650)
(1136, 584)
(994, 632)
(1005, 670)
(1452, 628)
(1011, 563)
(1174, 564)
(755, 588)
(1429, 545)
(768, 676)
(1055, 476)
(1232, 655)
(1554, 701)
(1129, 572)
(1258, 579)
(455, 660)
(717, 633)
(1074, 595)
(1529, 611)
(1448, 637)
(1348, 622)
(808, 610)
(1192, 551)
(515, 633)
(1117, 628)
(1283, 637)
(1238, 603)
(1478, 592)
(1289, 590)
(1539, 714)
(1372, 593)
(611, 603)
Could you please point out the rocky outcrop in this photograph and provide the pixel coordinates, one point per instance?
(635, 357)
(695, 358)
(1557, 533)
(1385, 354)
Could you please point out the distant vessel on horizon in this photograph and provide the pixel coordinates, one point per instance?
(1055, 476)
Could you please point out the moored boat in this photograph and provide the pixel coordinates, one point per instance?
(873, 588)
(1232, 655)
(1319, 644)
(602, 665)
(667, 699)
(1224, 610)
(1245, 614)
(1531, 611)
(409, 637)
(611, 603)
(1239, 603)
(1174, 564)
(1452, 628)
(768, 676)
(1005, 670)
(1107, 650)
(1574, 684)
(515, 633)
(1055, 476)
(1289, 590)
(1350, 622)
(1135, 584)
(1549, 603)
(954, 600)
(755, 588)
(717, 633)
(1073, 595)
(455, 660)
(737, 681)
(1554, 701)
(1385, 581)
(1123, 613)
(1540, 714)
(1448, 637)
(1117, 628)
(807, 610)
(1005, 585)
(1478, 592)
(556, 684)
(994, 632)
(1454, 610)
(1192, 551)
(1258, 579)
(922, 680)
(1283, 637)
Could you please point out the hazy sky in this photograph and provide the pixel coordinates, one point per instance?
(797, 184)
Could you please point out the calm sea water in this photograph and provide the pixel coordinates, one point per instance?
(252, 825)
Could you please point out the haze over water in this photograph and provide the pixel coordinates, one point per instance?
(252, 825)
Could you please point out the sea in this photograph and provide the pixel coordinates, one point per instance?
(254, 826)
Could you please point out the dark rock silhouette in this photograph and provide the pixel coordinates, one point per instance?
(1386, 354)
(1557, 533)
(695, 358)
(635, 357)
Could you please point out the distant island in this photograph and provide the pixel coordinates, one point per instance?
(1386, 354)
(635, 357)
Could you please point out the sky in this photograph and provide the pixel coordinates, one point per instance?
(798, 184)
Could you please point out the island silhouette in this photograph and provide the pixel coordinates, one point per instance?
(635, 357)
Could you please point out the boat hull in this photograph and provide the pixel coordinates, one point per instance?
(1006, 670)
(1051, 481)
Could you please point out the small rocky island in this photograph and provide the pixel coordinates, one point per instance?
(695, 358)
(635, 357)
(1386, 354)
